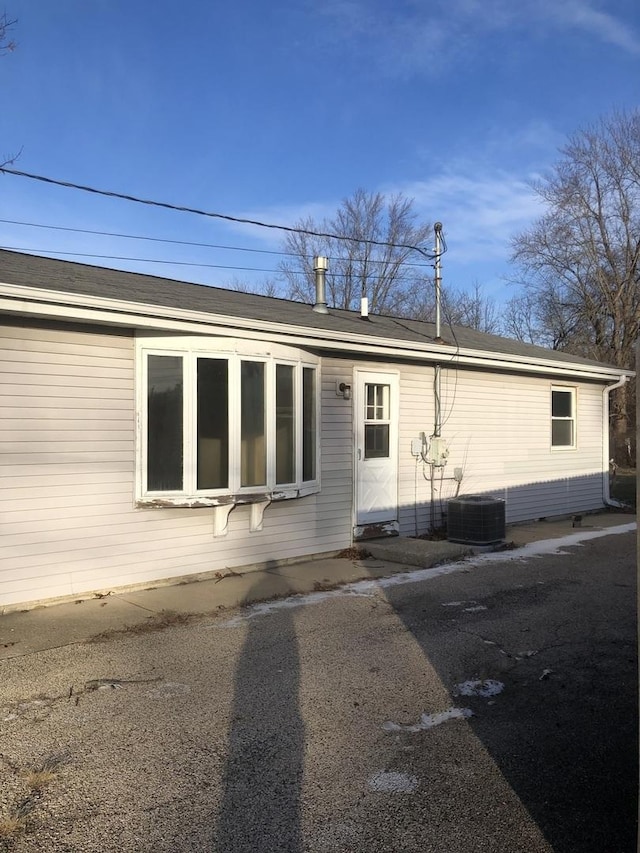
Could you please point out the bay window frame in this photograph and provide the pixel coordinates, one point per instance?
(234, 352)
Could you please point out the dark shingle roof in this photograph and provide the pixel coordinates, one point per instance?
(68, 277)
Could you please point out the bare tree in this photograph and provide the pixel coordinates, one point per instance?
(581, 259)
(474, 309)
(386, 274)
(266, 287)
(6, 42)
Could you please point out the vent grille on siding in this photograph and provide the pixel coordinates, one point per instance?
(476, 520)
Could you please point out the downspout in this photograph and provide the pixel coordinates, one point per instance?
(606, 493)
(437, 378)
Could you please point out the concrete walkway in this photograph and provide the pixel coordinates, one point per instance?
(29, 631)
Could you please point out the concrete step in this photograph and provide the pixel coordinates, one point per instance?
(424, 553)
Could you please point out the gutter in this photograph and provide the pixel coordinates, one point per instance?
(606, 486)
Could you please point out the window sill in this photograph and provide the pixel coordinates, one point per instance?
(203, 501)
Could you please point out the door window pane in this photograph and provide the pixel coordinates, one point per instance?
(213, 423)
(164, 423)
(285, 425)
(376, 441)
(253, 460)
(377, 402)
(308, 424)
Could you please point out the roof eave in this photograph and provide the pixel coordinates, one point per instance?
(73, 307)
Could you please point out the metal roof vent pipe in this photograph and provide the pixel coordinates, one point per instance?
(320, 266)
(364, 306)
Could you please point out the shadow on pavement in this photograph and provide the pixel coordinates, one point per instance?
(261, 786)
(565, 741)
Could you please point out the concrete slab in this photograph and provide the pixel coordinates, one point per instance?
(555, 528)
(25, 632)
(423, 553)
(48, 627)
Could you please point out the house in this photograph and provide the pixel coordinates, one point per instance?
(154, 429)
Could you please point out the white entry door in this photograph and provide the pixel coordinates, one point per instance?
(376, 426)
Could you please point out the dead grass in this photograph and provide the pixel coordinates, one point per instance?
(324, 585)
(354, 553)
(39, 779)
(11, 827)
(14, 824)
(158, 622)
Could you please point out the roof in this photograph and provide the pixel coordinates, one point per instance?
(24, 271)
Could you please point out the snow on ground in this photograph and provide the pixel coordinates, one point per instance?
(368, 588)
(430, 721)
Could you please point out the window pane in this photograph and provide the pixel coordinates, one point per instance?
(376, 441)
(561, 404)
(253, 462)
(213, 423)
(562, 433)
(308, 423)
(377, 402)
(285, 425)
(164, 423)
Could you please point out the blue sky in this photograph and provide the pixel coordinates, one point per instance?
(279, 110)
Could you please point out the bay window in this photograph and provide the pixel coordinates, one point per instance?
(226, 426)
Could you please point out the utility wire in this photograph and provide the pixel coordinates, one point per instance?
(184, 209)
(178, 242)
(33, 250)
(137, 260)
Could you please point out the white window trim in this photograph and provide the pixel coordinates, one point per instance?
(570, 389)
(235, 351)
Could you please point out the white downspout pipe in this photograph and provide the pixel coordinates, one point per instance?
(606, 392)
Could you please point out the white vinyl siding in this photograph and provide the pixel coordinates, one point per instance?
(498, 432)
(69, 524)
(67, 476)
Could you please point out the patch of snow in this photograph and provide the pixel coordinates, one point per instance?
(360, 589)
(430, 721)
(391, 782)
(368, 588)
(524, 655)
(488, 687)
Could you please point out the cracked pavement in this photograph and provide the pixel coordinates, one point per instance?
(489, 709)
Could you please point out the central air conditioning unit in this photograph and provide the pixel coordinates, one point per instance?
(476, 520)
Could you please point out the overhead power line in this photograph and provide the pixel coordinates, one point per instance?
(184, 209)
(173, 242)
(160, 261)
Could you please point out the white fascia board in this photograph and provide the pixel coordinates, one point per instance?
(73, 307)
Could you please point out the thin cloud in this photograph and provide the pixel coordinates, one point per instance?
(480, 214)
(481, 210)
(430, 37)
(583, 16)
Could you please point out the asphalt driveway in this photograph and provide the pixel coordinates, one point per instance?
(489, 706)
